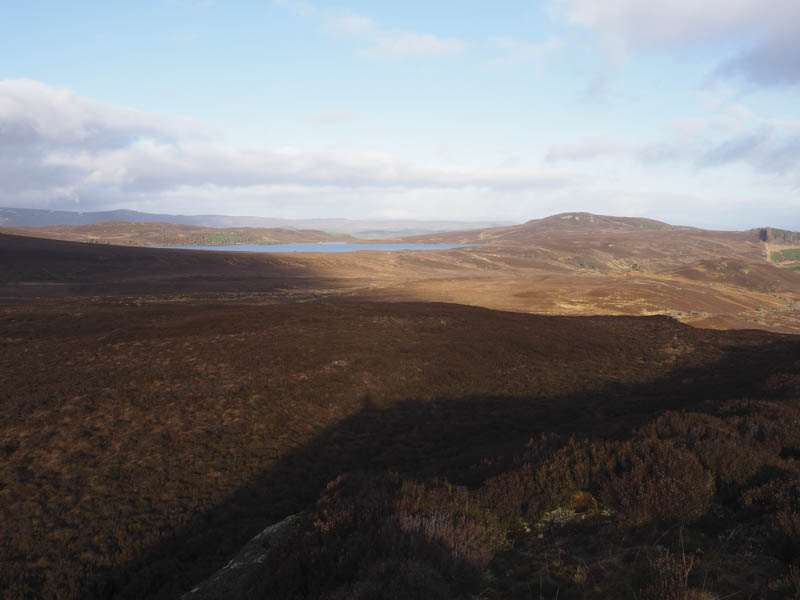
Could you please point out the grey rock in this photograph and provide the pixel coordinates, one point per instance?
(230, 582)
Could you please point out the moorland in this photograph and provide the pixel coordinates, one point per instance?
(569, 264)
(124, 233)
(576, 407)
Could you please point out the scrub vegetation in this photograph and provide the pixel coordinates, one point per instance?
(789, 254)
(159, 409)
(433, 451)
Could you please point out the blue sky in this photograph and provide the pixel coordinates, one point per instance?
(687, 112)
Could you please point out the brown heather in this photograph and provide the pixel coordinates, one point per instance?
(432, 450)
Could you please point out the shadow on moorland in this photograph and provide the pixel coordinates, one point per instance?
(450, 438)
(41, 268)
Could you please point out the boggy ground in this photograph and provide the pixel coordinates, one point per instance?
(141, 445)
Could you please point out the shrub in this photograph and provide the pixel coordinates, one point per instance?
(779, 502)
(790, 582)
(364, 526)
(658, 483)
(526, 493)
(539, 449)
(738, 450)
(508, 496)
(669, 577)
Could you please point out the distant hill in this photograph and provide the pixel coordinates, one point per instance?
(572, 223)
(581, 223)
(367, 229)
(583, 220)
(169, 234)
(601, 242)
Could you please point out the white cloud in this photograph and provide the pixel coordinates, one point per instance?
(522, 51)
(588, 149)
(56, 146)
(378, 42)
(152, 165)
(408, 43)
(642, 25)
(767, 146)
(769, 30)
(391, 44)
(33, 113)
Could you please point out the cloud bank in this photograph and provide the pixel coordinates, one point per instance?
(59, 149)
(767, 146)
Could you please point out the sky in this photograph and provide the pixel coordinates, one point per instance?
(685, 111)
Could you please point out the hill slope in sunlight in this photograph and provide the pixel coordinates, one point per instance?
(168, 234)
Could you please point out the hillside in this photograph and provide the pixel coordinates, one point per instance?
(168, 234)
(575, 223)
(144, 444)
(161, 407)
(551, 266)
(611, 242)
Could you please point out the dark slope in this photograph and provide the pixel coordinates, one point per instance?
(33, 267)
(143, 445)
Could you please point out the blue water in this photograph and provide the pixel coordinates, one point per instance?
(325, 247)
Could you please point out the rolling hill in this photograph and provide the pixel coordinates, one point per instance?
(168, 234)
(367, 229)
(527, 415)
(574, 264)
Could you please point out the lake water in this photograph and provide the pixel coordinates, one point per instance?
(324, 247)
